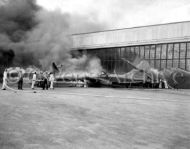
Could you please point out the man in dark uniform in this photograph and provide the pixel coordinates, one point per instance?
(20, 81)
(45, 81)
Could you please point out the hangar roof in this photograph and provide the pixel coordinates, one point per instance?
(142, 35)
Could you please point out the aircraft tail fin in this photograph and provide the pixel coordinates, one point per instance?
(55, 69)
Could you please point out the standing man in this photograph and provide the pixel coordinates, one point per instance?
(20, 81)
(4, 80)
(51, 79)
(33, 80)
(45, 81)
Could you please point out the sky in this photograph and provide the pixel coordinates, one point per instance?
(124, 13)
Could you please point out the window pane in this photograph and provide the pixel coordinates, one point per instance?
(182, 50)
(182, 64)
(152, 52)
(108, 53)
(152, 63)
(137, 50)
(127, 52)
(103, 64)
(122, 67)
(122, 52)
(113, 65)
(133, 50)
(188, 64)
(163, 64)
(158, 50)
(188, 50)
(117, 66)
(175, 63)
(157, 64)
(176, 51)
(92, 52)
(170, 51)
(118, 53)
(112, 51)
(164, 50)
(109, 66)
(147, 48)
(169, 63)
(105, 53)
(142, 51)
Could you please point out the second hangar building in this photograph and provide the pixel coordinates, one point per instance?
(162, 46)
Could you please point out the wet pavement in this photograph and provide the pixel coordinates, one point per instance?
(95, 118)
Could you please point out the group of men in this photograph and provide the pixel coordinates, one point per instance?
(46, 80)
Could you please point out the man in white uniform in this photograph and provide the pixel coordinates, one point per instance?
(51, 79)
(4, 80)
(33, 80)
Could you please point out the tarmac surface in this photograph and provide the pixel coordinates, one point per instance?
(95, 118)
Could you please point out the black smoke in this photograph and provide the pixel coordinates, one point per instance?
(6, 57)
(39, 37)
(17, 17)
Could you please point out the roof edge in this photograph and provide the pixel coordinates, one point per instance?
(109, 30)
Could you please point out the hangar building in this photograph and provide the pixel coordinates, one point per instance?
(162, 46)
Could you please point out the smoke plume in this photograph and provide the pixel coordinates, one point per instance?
(39, 37)
(16, 19)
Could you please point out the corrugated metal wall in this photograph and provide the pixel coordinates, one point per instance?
(173, 32)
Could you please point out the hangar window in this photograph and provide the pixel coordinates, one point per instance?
(152, 52)
(157, 64)
(188, 50)
(170, 51)
(147, 52)
(164, 51)
(175, 63)
(127, 52)
(169, 64)
(137, 50)
(158, 51)
(182, 50)
(99, 53)
(93, 52)
(163, 64)
(176, 51)
(109, 55)
(182, 64)
(142, 51)
(151, 63)
(133, 55)
(132, 50)
(113, 54)
(122, 53)
(109, 66)
(188, 64)
(102, 54)
(103, 64)
(117, 66)
(117, 53)
(122, 67)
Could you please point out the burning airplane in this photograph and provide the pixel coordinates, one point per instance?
(139, 76)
